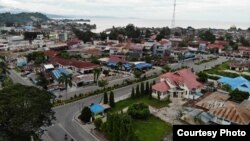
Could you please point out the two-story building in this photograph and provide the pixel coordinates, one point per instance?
(181, 84)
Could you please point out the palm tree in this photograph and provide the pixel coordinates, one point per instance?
(66, 79)
(97, 73)
(119, 65)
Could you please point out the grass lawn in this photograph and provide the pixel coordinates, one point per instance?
(152, 129)
(150, 101)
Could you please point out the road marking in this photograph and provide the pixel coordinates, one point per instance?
(60, 125)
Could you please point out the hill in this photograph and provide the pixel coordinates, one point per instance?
(21, 18)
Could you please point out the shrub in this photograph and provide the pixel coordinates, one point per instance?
(98, 123)
(139, 111)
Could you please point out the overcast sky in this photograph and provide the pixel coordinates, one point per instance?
(200, 10)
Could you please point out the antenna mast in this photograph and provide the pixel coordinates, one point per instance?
(173, 18)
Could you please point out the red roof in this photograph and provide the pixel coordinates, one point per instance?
(223, 43)
(75, 63)
(185, 76)
(117, 58)
(52, 53)
(161, 86)
(211, 46)
(243, 48)
(92, 51)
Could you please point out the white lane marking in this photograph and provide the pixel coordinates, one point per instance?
(60, 125)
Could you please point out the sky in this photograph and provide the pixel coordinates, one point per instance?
(200, 10)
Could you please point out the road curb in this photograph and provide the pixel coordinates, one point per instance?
(79, 123)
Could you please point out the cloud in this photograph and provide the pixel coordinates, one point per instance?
(210, 10)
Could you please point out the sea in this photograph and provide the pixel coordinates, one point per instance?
(106, 23)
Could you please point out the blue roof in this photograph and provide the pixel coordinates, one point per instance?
(143, 65)
(58, 72)
(236, 83)
(112, 64)
(96, 108)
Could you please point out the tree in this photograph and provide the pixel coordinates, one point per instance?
(166, 68)
(42, 81)
(137, 91)
(98, 123)
(119, 65)
(139, 111)
(3, 70)
(133, 93)
(137, 74)
(147, 90)
(142, 88)
(111, 99)
(24, 110)
(238, 95)
(97, 73)
(105, 98)
(7, 82)
(106, 72)
(66, 79)
(207, 36)
(102, 83)
(85, 114)
(119, 127)
(37, 57)
(203, 77)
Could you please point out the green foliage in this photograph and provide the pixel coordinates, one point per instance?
(98, 123)
(85, 115)
(244, 42)
(119, 127)
(203, 77)
(164, 33)
(133, 93)
(66, 80)
(21, 18)
(31, 35)
(142, 89)
(139, 111)
(111, 99)
(106, 72)
(65, 55)
(166, 68)
(38, 57)
(137, 91)
(85, 36)
(147, 90)
(42, 81)
(97, 73)
(238, 95)
(7, 82)
(207, 36)
(137, 74)
(105, 98)
(23, 110)
(102, 83)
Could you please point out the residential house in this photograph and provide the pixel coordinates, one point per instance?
(240, 65)
(239, 83)
(136, 51)
(74, 65)
(222, 111)
(181, 84)
(215, 48)
(244, 51)
(162, 48)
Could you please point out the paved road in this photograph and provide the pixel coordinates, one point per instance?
(201, 67)
(65, 115)
(19, 79)
(76, 91)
